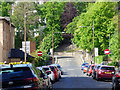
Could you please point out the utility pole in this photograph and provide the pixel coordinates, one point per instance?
(52, 46)
(25, 30)
(93, 44)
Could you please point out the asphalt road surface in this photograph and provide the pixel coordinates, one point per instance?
(74, 78)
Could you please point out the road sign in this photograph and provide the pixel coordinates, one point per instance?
(39, 53)
(107, 51)
(96, 51)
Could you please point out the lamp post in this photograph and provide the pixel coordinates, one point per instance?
(53, 44)
(93, 40)
(25, 28)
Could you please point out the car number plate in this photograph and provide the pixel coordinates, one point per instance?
(108, 72)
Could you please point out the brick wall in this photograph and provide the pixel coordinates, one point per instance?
(32, 47)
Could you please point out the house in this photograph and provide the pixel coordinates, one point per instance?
(8, 52)
(7, 38)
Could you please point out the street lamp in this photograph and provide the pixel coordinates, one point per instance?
(93, 39)
(25, 27)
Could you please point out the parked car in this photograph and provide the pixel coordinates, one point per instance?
(49, 72)
(58, 70)
(83, 65)
(91, 69)
(105, 72)
(85, 68)
(45, 77)
(20, 76)
(88, 70)
(116, 81)
(95, 70)
(56, 74)
(59, 67)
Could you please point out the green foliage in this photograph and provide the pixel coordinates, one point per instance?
(51, 12)
(5, 7)
(114, 41)
(113, 64)
(81, 7)
(18, 17)
(102, 14)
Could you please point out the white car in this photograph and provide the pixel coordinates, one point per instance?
(46, 78)
(49, 72)
(58, 70)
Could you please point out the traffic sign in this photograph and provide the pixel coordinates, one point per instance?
(107, 51)
(39, 53)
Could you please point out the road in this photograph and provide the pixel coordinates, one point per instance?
(74, 78)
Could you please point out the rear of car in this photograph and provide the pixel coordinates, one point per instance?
(59, 67)
(85, 69)
(105, 72)
(56, 75)
(19, 77)
(82, 66)
(49, 72)
(58, 70)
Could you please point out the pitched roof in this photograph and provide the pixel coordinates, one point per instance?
(16, 53)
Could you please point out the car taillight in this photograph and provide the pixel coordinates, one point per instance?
(118, 75)
(33, 88)
(31, 79)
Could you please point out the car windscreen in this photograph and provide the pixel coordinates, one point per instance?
(107, 68)
(8, 73)
(46, 69)
(98, 67)
(92, 67)
(52, 68)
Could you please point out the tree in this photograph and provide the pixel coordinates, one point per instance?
(32, 20)
(51, 12)
(101, 13)
(69, 13)
(5, 8)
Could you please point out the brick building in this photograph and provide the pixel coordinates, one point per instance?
(7, 38)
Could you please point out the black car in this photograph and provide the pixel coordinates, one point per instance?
(88, 70)
(95, 70)
(20, 76)
(116, 81)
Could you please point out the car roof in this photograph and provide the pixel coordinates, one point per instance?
(55, 64)
(17, 65)
(45, 66)
(106, 66)
(39, 68)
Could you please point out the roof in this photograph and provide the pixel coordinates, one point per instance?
(7, 19)
(16, 53)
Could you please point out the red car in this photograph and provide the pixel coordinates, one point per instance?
(106, 72)
(91, 69)
(53, 68)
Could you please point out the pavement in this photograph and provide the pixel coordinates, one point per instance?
(74, 78)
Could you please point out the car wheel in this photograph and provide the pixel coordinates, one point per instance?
(97, 78)
(93, 76)
(50, 86)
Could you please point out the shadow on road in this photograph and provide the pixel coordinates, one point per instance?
(64, 57)
(78, 82)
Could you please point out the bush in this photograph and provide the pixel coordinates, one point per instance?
(112, 64)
